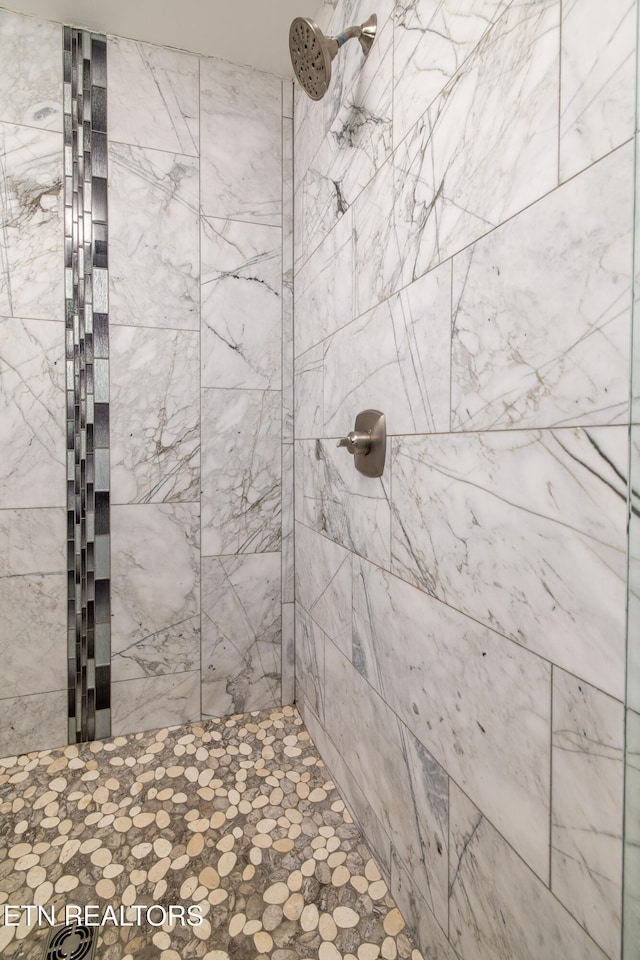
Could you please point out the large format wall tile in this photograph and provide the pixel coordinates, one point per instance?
(32, 413)
(151, 702)
(323, 585)
(542, 310)
(498, 909)
(153, 238)
(241, 471)
(36, 722)
(597, 80)
(241, 634)
(414, 907)
(492, 735)
(155, 573)
(30, 86)
(334, 499)
(308, 384)
(31, 210)
(485, 149)
(155, 415)
(163, 114)
(525, 531)
(241, 305)
(310, 645)
(586, 854)
(287, 519)
(432, 40)
(242, 107)
(396, 359)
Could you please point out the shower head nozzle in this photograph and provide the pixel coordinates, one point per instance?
(312, 52)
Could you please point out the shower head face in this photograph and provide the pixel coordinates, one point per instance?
(310, 57)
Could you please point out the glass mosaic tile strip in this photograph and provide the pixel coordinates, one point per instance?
(87, 384)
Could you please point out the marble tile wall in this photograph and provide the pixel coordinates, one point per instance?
(33, 560)
(463, 257)
(201, 380)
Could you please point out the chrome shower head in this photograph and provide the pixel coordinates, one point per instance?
(312, 52)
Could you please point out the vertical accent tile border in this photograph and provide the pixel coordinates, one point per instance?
(87, 384)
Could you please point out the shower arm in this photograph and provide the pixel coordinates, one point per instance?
(365, 33)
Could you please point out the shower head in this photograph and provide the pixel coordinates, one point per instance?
(312, 52)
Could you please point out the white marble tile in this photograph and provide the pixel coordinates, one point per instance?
(483, 151)
(355, 717)
(414, 908)
(33, 638)
(524, 531)
(31, 81)
(633, 596)
(155, 590)
(287, 99)
(151, 702)
(498, 908)
(241, 305)
(356, 800)
(542, 310)
(431, 42)
(337, 501)
(32, 413)
(586, 814)
(241, 471)
(241, 634)
(357, 143)
(288, 654)
(480, 704)
(29, 723)
(288, 591)
(241, 142)
(631, 887)
(33, 541)
(324, 288)
(395, 358)
(309, 663)
(287, 281)
(155, 415)
(308, 392)
(31, 222)
(597, 80)
(154, 251)
(163, 114)
(323, 585)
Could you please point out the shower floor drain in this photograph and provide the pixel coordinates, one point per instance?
(71, 942)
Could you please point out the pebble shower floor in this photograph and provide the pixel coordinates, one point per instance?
(236, 816)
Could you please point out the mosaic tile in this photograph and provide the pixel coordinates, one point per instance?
(236, 820)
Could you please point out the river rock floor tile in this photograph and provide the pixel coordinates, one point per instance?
(232, 821)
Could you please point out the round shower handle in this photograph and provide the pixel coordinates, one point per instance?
(356, 442)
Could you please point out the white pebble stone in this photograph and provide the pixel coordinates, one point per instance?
(161, 940)
(265, 826)
(393, 922)
(276, 893)
(294, 880)
(345, 917)
(309, 917)
(43, 893)
(105, 888)
(202, 930)
(263, 941)
(66, 883)
(36, 876)
(377, 890)
(389, 949)
(251, 927)
(371, 871)
(226, 863)
(329, 951)
(141, 850)
(368, 951)
(317, 795)
(227, 843)
(294, 906)
(327, 927)
(236, 924)
(29, 860)
(162, 847)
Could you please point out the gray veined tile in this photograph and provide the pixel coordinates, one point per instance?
(155, 629)
(241, 143)
(163, 114)
(241, 634)
(323, 585)
(586, 851)
(33, 640)
(418, 914)
(34, 541)
(395, 358)
(491, 734)
(597, 94)
(309, 663)
(432, 39)
(150, 702)
(31, 221)
(241, 305)
(288, 654)
(308, 392)
(30, 86)
(35, 722)
(288, 592)
(524, 531)
(498, 908)
(154, 238)
(542, 310)
(155, 415)
(241, 471)
(32, 402)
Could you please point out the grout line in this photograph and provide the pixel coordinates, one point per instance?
(551, 679)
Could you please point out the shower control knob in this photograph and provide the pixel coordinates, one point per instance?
(368, 443)
(356, 441)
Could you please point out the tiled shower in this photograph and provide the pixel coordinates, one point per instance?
(456, 220)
